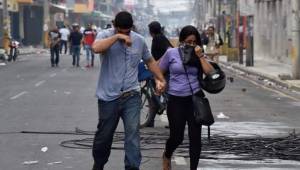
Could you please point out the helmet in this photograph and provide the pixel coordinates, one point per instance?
(215, 81)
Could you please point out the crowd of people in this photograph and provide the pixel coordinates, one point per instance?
(73, 38)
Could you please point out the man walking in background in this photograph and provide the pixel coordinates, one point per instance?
(54, 39)
(213, 44)
(65, 33)
(76, 40)
(89, 37)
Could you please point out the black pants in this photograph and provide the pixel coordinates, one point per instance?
(180, 110)
(54, 51)
(65, 44)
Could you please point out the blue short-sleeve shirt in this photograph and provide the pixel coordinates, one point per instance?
(119, 66)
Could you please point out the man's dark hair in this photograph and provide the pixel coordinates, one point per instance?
(187, 31)
(123, 20)
(155, 27)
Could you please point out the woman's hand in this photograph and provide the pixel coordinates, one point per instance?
(198, 51)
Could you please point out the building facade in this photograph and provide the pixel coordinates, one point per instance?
(30, 20)
(273, 30)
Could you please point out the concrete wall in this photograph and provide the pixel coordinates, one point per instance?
(272, 30)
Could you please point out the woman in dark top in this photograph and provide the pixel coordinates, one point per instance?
(160, 45)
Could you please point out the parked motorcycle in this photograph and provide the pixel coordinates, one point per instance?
(14, 50)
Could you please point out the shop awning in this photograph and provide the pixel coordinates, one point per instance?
(100, 14)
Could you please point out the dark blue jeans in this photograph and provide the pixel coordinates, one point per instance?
(128, 108)
(54, 52)
(63, 43)
(76, 54)
(89, 51)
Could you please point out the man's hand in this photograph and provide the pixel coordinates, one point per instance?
(125, 38)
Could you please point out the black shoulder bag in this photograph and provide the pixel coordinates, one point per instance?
(202, 110)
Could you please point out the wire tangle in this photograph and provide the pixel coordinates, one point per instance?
(244, 148)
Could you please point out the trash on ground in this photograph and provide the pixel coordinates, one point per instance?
(44, 149)
(222, 116)
(231, 79)
(67, 92)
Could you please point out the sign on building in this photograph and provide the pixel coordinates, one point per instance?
(13, 6)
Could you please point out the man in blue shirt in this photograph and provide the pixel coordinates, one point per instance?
(118, 89)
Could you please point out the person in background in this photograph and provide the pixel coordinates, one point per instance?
(107, 26)
(160, 42)
(118, 89)
(160, 45)
(213, 44)
(65, 33)
(76, 40)
(89, 36)
(54, 39)
(182, 85)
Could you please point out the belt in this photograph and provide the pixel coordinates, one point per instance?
(128, 93)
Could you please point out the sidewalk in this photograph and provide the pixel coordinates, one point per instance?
(26, 50)
(267, 69)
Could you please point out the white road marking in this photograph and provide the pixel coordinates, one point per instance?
(67, 92)
(52, 163)
(40, 83)
(53, 75)
(249, 129)
(261, 163)
(180, 160)
(18, 95)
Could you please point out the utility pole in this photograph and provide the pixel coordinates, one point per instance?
(219, 17)
(296, 39)
(239, 32)
(46, 23)
(6, 26)
(249, 50)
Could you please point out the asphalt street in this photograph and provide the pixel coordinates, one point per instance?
(50, 103)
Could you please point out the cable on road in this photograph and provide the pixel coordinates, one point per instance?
(247, 148)
(254, 147)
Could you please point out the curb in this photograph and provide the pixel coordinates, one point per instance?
(265, 76)
(28, 53)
